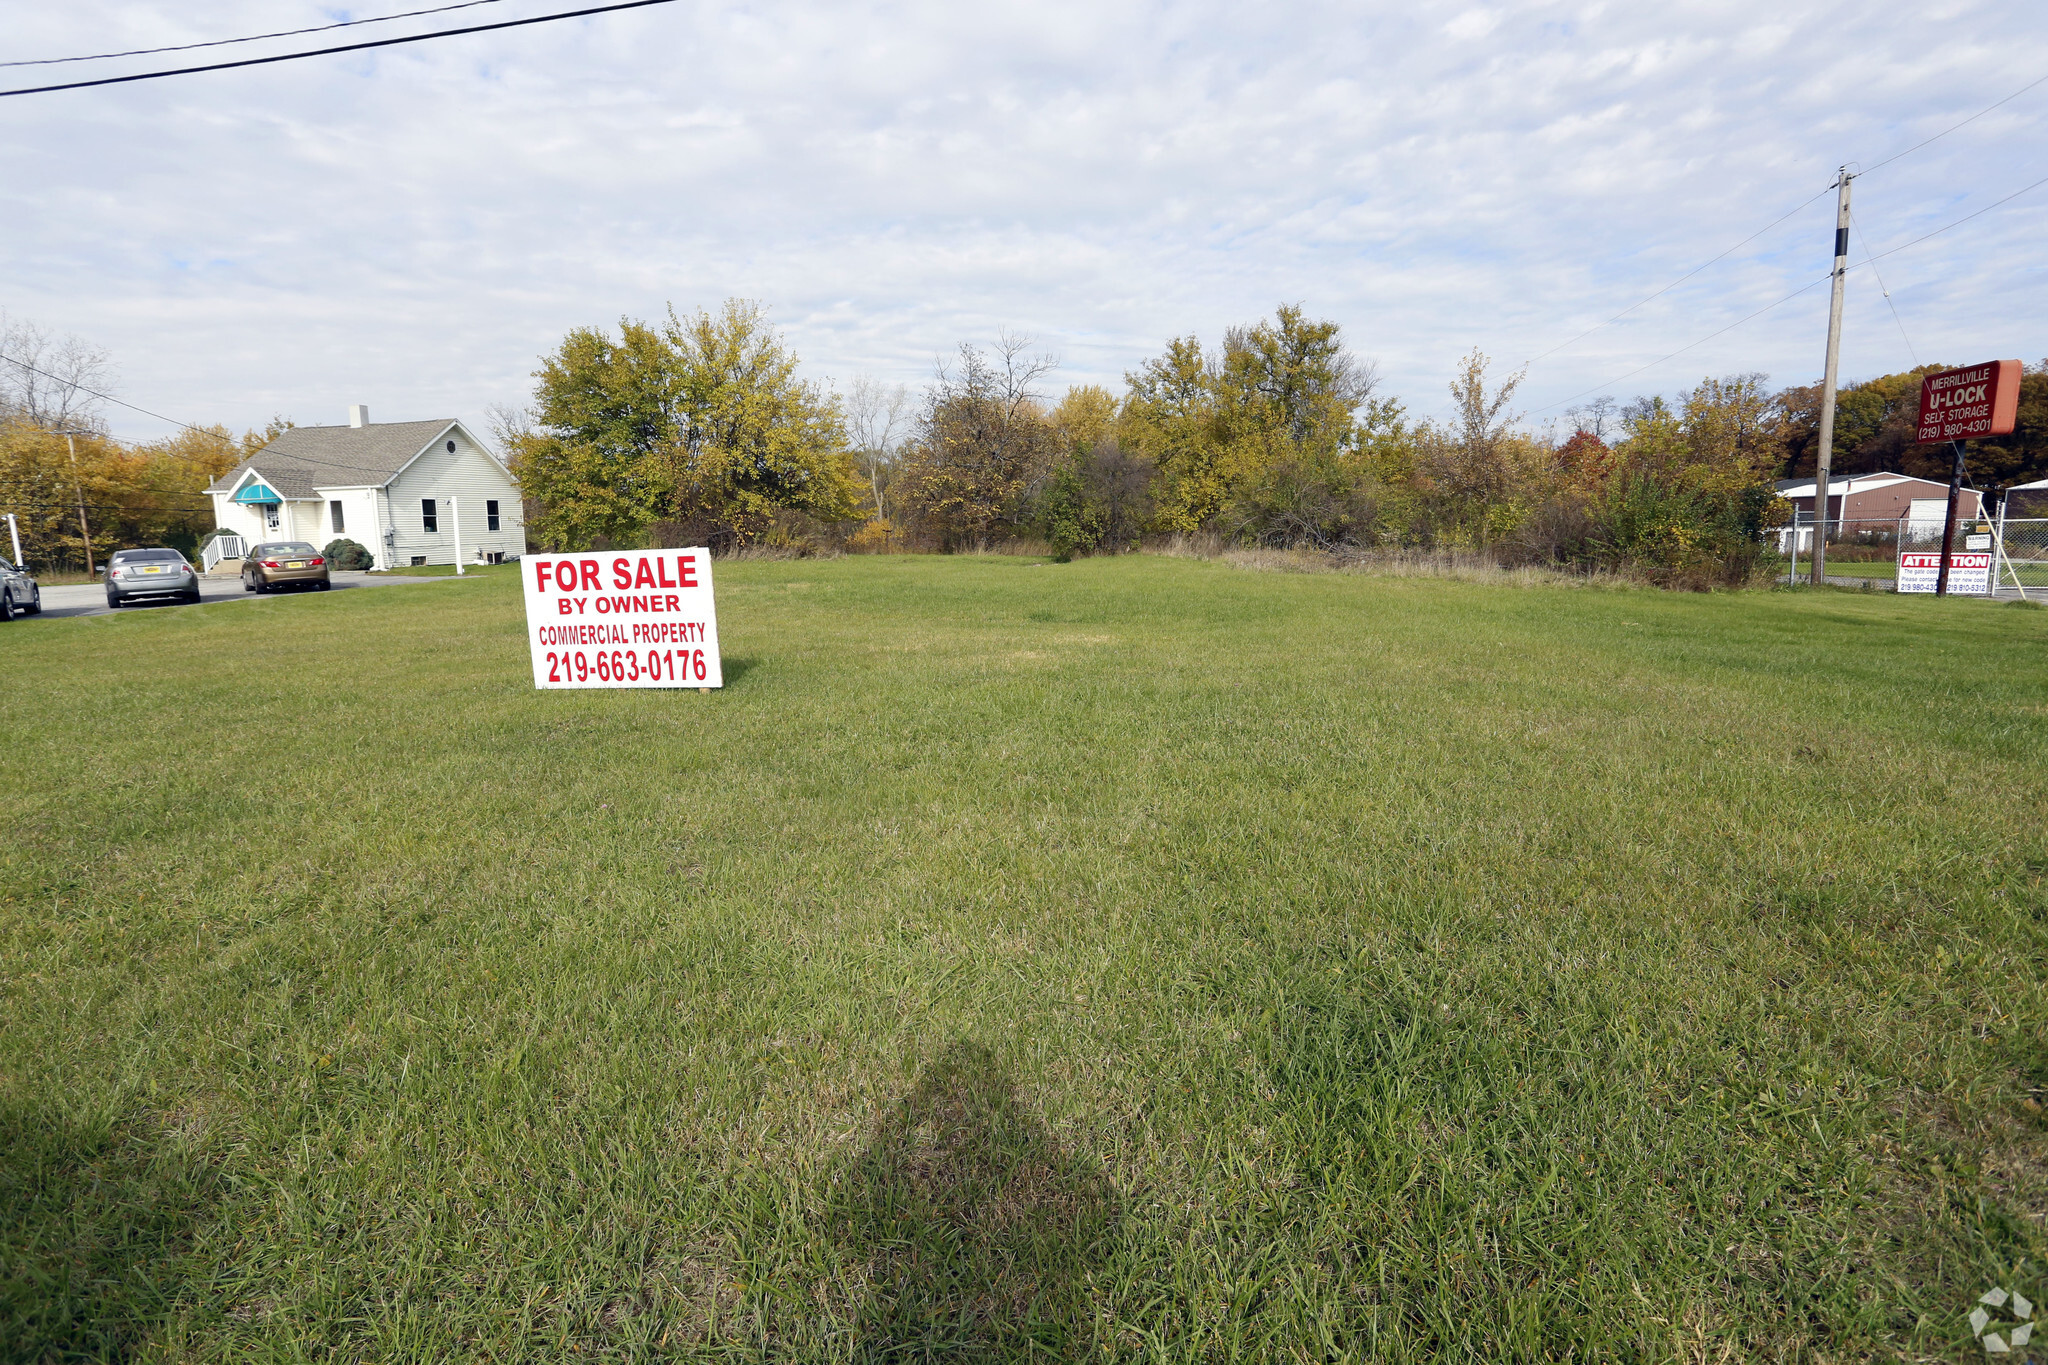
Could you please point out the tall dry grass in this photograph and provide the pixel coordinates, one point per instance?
(1470, 566)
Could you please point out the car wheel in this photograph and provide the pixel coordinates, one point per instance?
(113, 602)
(6, 605)
(192, 598)
(326, 585)
(35, 608)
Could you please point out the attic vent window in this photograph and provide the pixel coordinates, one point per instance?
(451, 447)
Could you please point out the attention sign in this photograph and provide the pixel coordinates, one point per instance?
(1968, 572)
(638, 618)
(1977, 400)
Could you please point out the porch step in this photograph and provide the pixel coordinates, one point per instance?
(227, 568)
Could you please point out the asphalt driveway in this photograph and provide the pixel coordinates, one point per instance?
(90, 599)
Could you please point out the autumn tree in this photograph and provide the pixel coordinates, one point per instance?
(754, 441)
(1281, 398)
(981, 446)
(1099, 494)
(702, 424)
(1480, 475)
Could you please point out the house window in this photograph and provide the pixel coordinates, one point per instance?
(270, 515)
(334, 515)
(429, 522)
(491, 513)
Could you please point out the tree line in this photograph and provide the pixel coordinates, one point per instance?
(70, 484)
(699, 429)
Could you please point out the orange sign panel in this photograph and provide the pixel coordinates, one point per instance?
(1977, 400)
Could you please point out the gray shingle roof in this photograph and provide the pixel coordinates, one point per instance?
(308, 458)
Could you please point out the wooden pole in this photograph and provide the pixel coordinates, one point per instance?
(1826, 454)
(84, 531)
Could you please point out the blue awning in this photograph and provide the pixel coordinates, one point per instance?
(257, 492)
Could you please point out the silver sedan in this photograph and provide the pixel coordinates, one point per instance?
(136, 574)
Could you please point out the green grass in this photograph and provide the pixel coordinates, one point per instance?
(1134, 959)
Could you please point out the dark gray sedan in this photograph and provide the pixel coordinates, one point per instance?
(137, 575)
(19, 593)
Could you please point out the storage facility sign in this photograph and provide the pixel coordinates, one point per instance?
(1965, 404)
(638, 618)
(1968, 571)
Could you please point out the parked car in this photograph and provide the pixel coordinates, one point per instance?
(18, 592)
(136, 574)
(283, 564)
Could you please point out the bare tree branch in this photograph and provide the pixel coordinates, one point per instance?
(51, 380)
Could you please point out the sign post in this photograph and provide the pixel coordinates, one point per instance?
(634, 618)
(1958, 406)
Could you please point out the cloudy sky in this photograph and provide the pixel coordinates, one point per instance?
(412, 227)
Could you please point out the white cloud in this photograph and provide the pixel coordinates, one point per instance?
(411, 228)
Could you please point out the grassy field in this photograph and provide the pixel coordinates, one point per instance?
(1133, 959)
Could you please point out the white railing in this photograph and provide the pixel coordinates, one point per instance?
(219, 548)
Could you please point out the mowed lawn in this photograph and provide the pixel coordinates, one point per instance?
(1134, 959)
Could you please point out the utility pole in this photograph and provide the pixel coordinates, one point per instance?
(84, 531)
(1827, 384)
(14, 534)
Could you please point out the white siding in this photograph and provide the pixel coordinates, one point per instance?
(305, 519)
(358, 518)
(471, 478)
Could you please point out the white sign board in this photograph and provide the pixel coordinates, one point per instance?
(632, 618)
(1967, 572)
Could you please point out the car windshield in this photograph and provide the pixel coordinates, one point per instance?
(293, 548)
(149, 557)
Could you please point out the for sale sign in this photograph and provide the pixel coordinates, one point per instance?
(1962, 405)
(641, 618)
(1968, 572)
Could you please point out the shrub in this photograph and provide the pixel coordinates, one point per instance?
(1681, 537)
(1097, 499)
(347, 554)
(875, 537)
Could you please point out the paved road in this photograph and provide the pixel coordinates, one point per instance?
(90, 599)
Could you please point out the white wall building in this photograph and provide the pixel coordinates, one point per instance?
(396, 488)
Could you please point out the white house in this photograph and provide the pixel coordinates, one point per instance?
(396, 488)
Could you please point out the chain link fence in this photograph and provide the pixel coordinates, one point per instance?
(1865, 552)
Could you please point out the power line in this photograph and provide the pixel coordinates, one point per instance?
(247, 457)
(1946, 131)
(68, 507)
(1867, 260)
(1956, 224)
(329, 51)
(252, 38)
(1689, 345)
(1775, 221)
(1857, 223)
(118, 402)
(1680, 280)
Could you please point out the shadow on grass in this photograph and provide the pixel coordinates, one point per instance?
(92, 1221)
(974, 1230)
(734, 667)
